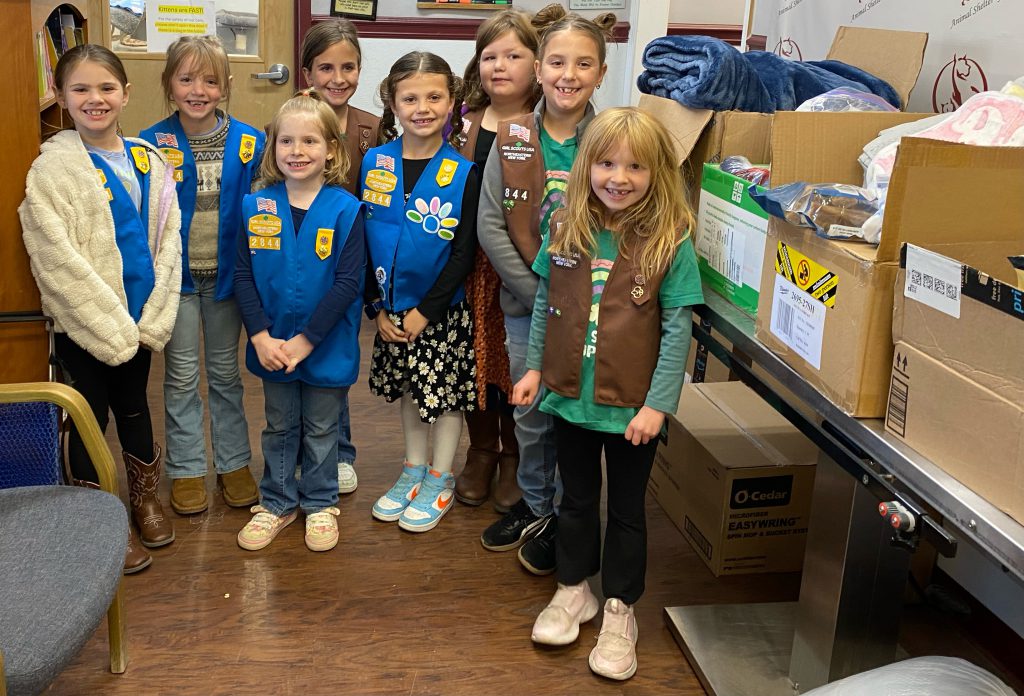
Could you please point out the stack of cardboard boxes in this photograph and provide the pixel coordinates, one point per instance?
(827, 307)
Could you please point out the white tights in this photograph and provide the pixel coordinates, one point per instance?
(447, 431)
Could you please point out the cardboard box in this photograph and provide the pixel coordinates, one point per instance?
(825, 306)
(736, 478)
(703, 136)
(731, 230)
(957, 385)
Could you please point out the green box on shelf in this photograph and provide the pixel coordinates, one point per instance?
(731, 230)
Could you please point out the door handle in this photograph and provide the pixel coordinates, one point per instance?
(278, 74)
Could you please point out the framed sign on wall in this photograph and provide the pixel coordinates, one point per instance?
(465, 5)
(354, 9)
(597, 4)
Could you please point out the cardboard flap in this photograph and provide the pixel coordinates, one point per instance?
(684, 124)
(894, 56)
(945, 193)
(823, 147)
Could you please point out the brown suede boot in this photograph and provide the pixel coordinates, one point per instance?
(507, 493)
(238, 487)
(154, 527)
(473, 486)
(136, 557)
(188, 495)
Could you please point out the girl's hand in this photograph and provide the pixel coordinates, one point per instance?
(526, 389)
(645, 426)
(297, 348)
(388, 331)
(414, 324)
(269, 351)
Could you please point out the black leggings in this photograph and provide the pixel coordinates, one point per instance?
(624, 568)
(121, 389)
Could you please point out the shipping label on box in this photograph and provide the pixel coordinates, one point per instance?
(731, 230)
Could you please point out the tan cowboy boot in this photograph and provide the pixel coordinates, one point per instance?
(136, 557)
(473, 486)
(506, 492)
(154, 527)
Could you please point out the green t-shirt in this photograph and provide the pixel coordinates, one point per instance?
(680, 288)
(558, 159)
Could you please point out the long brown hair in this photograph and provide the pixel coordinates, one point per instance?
(659, 221)
(323, 35)
(309, 103)
(519, 23)
(405, 67)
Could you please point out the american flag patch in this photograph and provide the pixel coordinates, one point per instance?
(517, 131)
(166, 139)
(266, 205)
(386, 162)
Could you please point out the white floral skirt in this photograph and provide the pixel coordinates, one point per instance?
(438, 368)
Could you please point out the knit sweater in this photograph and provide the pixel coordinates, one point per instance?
(69, 233)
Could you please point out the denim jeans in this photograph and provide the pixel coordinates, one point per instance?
(221, 325)
(535, 431)
(300, 416)
(346, 450)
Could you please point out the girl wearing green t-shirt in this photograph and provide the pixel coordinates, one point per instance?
(609, 338)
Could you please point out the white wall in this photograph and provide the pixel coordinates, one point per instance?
(705, 12)
(407, 8)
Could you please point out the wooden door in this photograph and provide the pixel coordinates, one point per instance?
(253, 101)
(23, 347)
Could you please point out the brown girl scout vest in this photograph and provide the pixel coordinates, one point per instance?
(522, 178)
(628, 329)
(361, 130)
(470, 133)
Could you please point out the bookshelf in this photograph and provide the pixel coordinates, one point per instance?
(64, 26)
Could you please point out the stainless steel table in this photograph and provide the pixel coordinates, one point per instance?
(855, 567)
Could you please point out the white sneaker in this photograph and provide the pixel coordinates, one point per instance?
(347, 479)
(615, 654)
(559, 622)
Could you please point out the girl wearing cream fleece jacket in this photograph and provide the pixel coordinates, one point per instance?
(100, 222)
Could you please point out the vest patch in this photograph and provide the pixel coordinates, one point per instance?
(518, 152)
(517, 130)
(433, 217)
(266, 205)
(175, 157)
(247, 148)
(324, 242)
(265, 225)
(381, 180)
(385, 162)
(380, 275)
(168, 139)
(381, 199)
(269, 243)
(141, 158)
(563, 262)
(446, 173)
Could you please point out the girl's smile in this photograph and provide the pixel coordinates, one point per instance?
(94, 100)
(422, 105)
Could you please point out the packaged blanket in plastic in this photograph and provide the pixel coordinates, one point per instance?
(846, 99)
(919, 676)
(834, 211)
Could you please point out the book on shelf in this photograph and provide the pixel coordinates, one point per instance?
(44, 69)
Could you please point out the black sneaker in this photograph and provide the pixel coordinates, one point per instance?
(538, 554)
(512, 530)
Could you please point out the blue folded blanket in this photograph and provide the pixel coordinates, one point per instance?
(707, 73)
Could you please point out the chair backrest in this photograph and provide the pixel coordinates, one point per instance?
(29, 444)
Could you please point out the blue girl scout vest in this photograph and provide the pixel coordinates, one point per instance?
(243, 150)
(410, 243)
(293, 272)
(131, 227)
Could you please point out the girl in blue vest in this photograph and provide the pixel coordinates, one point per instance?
(298, 282)
(100, 222)
(421, 235)
(216, 158)
(610, 333)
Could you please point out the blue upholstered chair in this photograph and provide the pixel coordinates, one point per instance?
(61, 553)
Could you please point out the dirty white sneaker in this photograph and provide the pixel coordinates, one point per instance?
(347, 479)
(322, 529)
(559, 622)
(615, 654)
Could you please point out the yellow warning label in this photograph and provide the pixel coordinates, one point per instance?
(811, 277)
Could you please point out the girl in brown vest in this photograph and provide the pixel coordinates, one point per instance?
(500, 85)
(609, 337)
(331, 61)
(523, 184)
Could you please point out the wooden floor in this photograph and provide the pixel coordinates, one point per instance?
(386, 612)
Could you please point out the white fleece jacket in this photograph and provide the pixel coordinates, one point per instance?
(69, 234)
